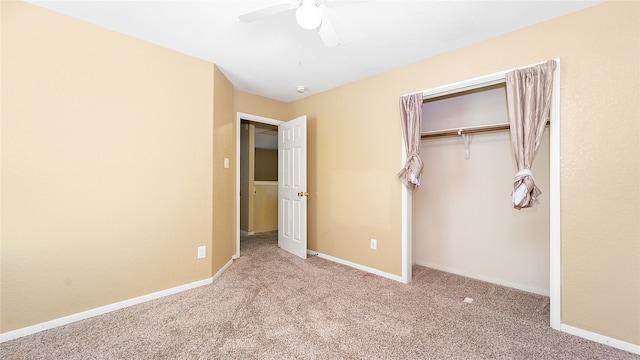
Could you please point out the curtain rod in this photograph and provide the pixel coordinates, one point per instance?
(467, 130)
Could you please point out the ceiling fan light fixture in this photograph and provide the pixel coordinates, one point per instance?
(308, 16)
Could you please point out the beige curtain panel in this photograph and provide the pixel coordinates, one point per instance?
(411, 116)
(529, 103)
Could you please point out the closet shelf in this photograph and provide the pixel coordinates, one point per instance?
(466, 130)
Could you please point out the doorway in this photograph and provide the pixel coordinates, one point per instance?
(263, 135)
(258, 177)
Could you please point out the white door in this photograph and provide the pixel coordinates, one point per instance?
(292, 186)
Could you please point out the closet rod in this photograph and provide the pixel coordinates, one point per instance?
(466, 131)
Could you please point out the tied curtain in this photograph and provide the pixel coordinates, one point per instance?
(529, 103)
(411, 116)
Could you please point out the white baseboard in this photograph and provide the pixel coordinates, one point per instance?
(222, 269)
(543, 292)
(356, 266)
(245, 233)
(618, 344)
(11, 335)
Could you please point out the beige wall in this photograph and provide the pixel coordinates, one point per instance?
(261, 106)
(224, 179)
(106, 167)
(353, 158)
(265, 212)
(266, 168)
(601, 169)
(55, 196)
(354, 194)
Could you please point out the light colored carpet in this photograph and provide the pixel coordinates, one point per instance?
(272, 305)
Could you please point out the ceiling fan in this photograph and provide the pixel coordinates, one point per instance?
(310, 15)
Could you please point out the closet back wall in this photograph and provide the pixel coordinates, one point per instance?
(463, 218)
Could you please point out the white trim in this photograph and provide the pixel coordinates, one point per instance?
(355, 266)
(471, 84)
(490, 279)
(245, 233)
(555, 263)
(255, 118)
(618, 344)
(266, 183)
(407, 232)
(29, 330)
(466, 85)
(223, 269)
(555, 271)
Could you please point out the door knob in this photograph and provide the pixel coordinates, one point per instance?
(303, 193)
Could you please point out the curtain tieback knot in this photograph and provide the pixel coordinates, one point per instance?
(410, 173)
(414, 166)
(522, 173)
(522, 189)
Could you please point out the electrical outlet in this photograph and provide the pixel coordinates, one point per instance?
(374, 244)
(202, 252)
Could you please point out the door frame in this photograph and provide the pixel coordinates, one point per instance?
(555, 274)
(254, 118)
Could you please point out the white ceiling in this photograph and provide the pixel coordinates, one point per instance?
(272, 56)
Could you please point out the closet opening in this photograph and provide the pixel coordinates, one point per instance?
(464, 220)
(478, 206)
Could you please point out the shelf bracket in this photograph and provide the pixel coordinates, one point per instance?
(465, 139)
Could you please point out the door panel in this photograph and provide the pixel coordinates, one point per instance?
(292, 186)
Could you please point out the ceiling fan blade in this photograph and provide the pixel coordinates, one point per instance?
(265, 12)
(327, 32)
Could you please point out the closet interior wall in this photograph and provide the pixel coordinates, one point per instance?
(463, 218)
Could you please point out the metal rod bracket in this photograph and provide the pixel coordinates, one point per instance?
(465, 140)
